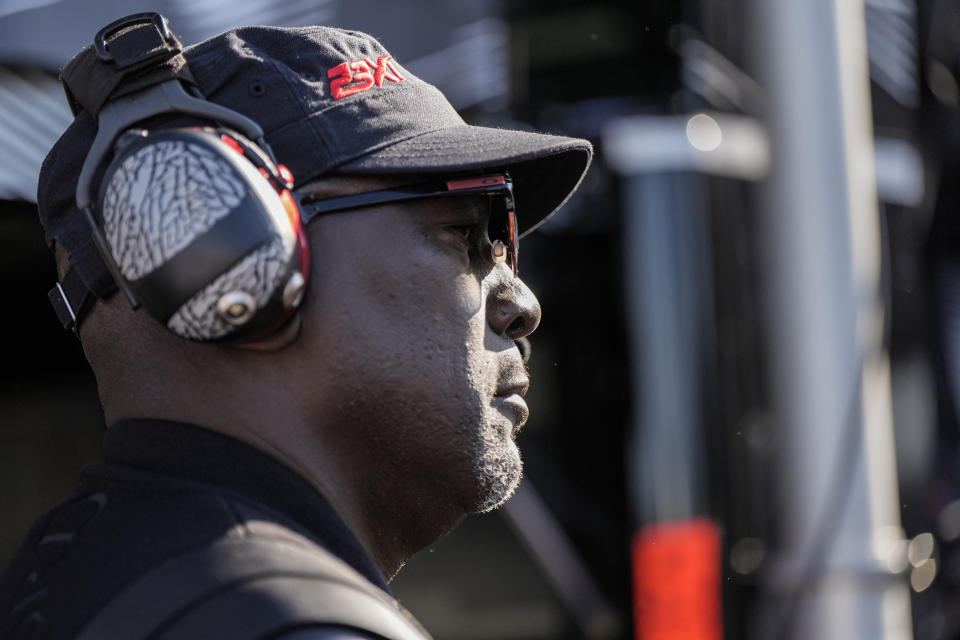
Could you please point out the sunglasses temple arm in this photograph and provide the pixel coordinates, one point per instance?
(309, 208)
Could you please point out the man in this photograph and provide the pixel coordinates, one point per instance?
(272, 483)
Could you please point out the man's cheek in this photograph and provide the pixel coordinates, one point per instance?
(469, 296)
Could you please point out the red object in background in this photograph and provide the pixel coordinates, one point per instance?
(676, 581)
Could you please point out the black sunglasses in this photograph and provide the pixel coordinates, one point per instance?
(502, 227)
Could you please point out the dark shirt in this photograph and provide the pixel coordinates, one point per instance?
(162, 489)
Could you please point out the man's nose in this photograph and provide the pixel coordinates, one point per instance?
(512, 309)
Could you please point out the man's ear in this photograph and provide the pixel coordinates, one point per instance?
(279, 339)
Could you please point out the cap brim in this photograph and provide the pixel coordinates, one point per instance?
(546, 169)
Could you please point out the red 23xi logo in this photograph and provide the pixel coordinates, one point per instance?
(364, 73)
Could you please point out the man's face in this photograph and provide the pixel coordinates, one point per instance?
(415, 326)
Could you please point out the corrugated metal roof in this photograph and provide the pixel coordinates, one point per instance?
(199, 19)
(33, 114)
(892, 48)
(462, 48)
(47, 34)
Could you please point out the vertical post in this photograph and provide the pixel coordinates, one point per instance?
(830, 577)
(676, 551)
(668, 280)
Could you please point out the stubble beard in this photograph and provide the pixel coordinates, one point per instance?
(499, 468)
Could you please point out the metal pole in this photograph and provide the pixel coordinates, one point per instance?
(839, 525)
(669, 291)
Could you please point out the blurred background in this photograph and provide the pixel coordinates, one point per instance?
(746, 383)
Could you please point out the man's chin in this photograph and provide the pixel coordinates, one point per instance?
(499, 480)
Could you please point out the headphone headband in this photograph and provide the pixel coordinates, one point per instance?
(167, 97)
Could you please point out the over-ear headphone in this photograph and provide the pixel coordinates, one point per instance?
(197, 225)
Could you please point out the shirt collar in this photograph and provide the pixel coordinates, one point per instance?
(200, 454)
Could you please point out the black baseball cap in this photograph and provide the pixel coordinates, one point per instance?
(330, 101)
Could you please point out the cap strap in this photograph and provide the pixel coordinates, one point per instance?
(71, 299)
(127, 56)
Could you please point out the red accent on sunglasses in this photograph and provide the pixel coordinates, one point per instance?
(513, 244)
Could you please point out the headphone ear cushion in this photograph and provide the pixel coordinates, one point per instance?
(203, 240)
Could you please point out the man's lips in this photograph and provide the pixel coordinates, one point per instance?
(517, 386)
(509, 398)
